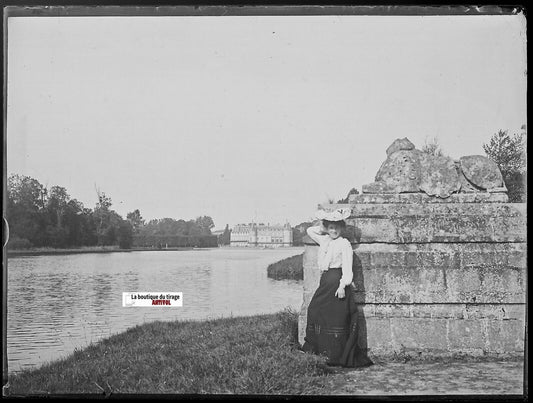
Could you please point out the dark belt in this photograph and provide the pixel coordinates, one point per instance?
(328, 330)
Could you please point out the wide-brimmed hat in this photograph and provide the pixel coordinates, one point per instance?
(339, 214)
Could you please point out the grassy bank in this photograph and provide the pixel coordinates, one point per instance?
(85, 249)
(245, 355)
(289, 268)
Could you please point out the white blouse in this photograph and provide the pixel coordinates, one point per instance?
(333, 253)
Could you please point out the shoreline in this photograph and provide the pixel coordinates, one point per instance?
(37, 252)
(246, 355)
(69, 251)
(185, 357)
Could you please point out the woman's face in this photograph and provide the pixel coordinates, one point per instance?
(334, 230)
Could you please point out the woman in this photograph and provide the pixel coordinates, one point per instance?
(332, 316)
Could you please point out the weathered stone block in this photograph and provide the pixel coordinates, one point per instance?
(388, 310)
(466, 186)
(493, 311)
(438, 273)
(379, 187)
(413, 259)
(390, 260)
(481, 171)
(400, 144)
(311, 271)
(509, 312)
(516, 258)
(403, 285)
(378, 334)
(505, 336)
(438, 175)
(439, 311)
(400, 172)
(414, 198)
(492, 254)
(466, 334)
(450, 222)
(419, 333)
(486, 284)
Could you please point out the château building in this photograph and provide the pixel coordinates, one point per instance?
(273, 236)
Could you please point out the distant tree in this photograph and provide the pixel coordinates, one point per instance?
(347, 198)
(75, 221)
(136, 220)
(225, 237)
(58, 199)
(148, 229)
(168, 226)
(161, 227)
(26, 192)
(104, 201)
(181, 227)
(26, 209)
(205, 223)
(192, 228)
(107, 220)
(432, 147)
(171, 227)
(160, 232)
(87, 231)
(125, 234)
(509, 152)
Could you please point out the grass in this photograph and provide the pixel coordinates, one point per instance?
(289, 268)
(244, 355)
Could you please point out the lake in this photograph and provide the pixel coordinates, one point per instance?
(57, 303)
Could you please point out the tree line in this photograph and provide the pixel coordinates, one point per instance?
(42, 217)
(168, 232)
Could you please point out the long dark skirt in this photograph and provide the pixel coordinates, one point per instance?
(332, 324)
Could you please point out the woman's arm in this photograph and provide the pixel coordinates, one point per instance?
(317, 234)
(347, 261)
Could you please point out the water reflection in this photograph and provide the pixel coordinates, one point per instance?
(59, 303)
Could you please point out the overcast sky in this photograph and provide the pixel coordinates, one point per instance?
(250, 118)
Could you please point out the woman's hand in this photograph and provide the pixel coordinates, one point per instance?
(320, 224)
(340, 293)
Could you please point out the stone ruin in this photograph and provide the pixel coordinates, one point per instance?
(439, 258)
(408, 170)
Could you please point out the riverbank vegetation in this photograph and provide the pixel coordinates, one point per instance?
(509, 153)
(42, 217)
(85, 249)
(244, 355)
(289, 268)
